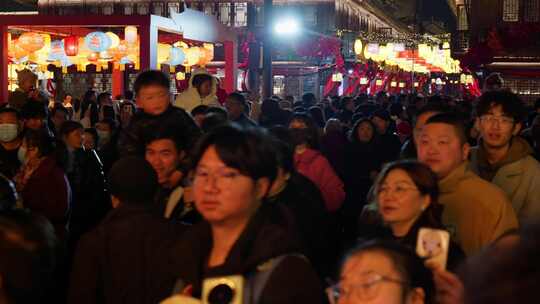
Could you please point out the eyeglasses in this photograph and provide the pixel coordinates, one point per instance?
(364, 292)
(492, 119)
(399, 190)
(223, 178)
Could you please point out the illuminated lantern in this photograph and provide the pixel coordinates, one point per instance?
(93, 57)
(163, 51)
(105, 56)
(176, 56)
(180, 76)
(31, 42)
(206, 56)
(367, 54)
(393, 84)
(192, 56)
(378, 82)
(183, 45)
(416, 84)
(463, 78)
(130, 34)
(402, 84)
(120, 51)
(71, 45)
(337, 77)
(363, 80)
(115, 40)
(97, 41)
(18, 51)
(358, 45)
(57, 51)
(373, 48)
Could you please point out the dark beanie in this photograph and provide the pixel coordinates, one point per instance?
(133, 181)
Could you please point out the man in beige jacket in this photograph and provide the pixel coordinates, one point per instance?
(475, 211)
(502, 157)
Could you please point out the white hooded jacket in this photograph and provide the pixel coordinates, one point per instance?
(190, 98)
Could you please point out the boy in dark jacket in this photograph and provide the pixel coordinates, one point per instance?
(152, 95)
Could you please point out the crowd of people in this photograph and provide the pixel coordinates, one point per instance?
(230, 199)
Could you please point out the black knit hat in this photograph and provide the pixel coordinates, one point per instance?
(33, 109)
(133, 181)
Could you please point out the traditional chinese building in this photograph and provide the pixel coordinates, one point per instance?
(501, 36)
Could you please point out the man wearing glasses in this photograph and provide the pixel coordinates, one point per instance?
(504, 158)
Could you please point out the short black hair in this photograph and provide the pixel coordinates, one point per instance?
(70, 126)
(454, 120)
(217, 110)
(42, 140)
(8, 109)
(238, 97)
(165, 131)
(313, 131)
(434, 107)
(103, 95)
(128, 95)
(248, 150)
(8, 194)
(28, 248)
(133, 181)
(285, 151)
(199, 79)
(511, 104)
(199, 110)
(33, 109)
(151, 77)
(408, 264)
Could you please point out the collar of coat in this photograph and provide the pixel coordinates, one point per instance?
(451, 182)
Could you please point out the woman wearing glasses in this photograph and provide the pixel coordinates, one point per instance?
(406, 194)
(240, 234)
(383, 272)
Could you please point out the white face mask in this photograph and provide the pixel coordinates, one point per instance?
(21, 154)
(8, 132)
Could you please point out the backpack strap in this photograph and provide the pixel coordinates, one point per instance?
(256, 281)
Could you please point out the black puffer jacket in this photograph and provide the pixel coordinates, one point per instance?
(131, 140)
(121, 260)
(267, 236)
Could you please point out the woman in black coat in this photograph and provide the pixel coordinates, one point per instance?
(362, 165)
(241, 235)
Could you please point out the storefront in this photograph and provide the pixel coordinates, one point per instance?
(113, 47)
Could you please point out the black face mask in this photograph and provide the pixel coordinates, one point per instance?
(299, 136)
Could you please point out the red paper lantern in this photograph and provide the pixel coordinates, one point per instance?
(71, 45)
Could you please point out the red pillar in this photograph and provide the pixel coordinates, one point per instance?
(117, 82)
(4, 93)
(230, 66)
(144, 32)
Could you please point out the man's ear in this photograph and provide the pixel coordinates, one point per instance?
(517, 128)
(465, 150)
(115, 202)
(262, 187)
(416, 296)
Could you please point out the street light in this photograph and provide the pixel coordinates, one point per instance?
(288, 26)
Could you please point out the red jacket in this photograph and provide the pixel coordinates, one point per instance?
(47, 192)
(316, 167)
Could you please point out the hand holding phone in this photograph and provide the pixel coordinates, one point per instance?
(433, 245)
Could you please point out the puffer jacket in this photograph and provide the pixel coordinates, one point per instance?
(190, 98)
(131, 140)
(518, 175)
